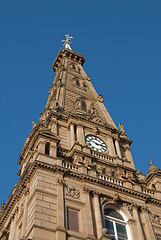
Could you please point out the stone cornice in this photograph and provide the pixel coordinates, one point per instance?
(30, 169)
(68, 54)
(66, 117)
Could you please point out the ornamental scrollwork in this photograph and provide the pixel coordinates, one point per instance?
(72, 192)
(155, 218)
(129, 207)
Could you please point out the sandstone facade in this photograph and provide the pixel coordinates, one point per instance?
(71, 188)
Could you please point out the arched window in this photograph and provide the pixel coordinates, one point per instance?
(77, 82)
(115, 224)
(83, 105)
(73, 66)
(47, 148)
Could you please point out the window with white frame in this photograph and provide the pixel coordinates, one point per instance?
(115, 224)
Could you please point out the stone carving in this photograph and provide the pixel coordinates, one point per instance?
(116, 198)
(156, 218)
(100, 98)
(92, 109)
(33, 124)
(78, 102)
(88, 78)
(122, 129)
(129, 207)
(75, 68)
(72, 192)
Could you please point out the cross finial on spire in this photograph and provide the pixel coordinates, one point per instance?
(66, 42)
(151, 162)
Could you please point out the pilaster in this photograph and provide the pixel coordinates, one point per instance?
(80, 134)
(24, 220)
(54, 126)
(97, 213)
(148, 228)
(111, 146)
(72, 134)
(13, 226)
(118, 148)
(138, 227)
(60, 232)
(89, 221)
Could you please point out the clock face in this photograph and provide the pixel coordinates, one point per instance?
(96, 143)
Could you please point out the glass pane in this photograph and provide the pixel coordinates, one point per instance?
(73, 220)
(113, 213)
(109, 227)
(121, 231)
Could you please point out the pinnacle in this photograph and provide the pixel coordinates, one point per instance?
(151, 162)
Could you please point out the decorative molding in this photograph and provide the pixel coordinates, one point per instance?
(31, 168)
(100, 98)
(72, 192)
(155, 218)
(129, 207)
(88, 78)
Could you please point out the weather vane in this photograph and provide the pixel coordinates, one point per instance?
(66, 42)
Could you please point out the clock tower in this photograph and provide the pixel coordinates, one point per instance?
(77, 175)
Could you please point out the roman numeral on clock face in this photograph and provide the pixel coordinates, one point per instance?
(96, 143)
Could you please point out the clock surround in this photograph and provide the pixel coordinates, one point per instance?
(96, 143)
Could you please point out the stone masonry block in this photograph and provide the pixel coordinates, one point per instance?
(42, 203)
(41, 216)
(49, 211)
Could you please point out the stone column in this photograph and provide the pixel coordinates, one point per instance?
(139, 229)
(97, 213)
(72, 134)
(118, 148)
(41, 147)
(148, 229)
(53, 149)
(111, 146)
(88, 212)
(54, 126)
(60, 232)
(24, 220)
(80, 134)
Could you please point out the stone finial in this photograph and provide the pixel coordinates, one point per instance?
(151, 162)
(153, 168)
(2, 208)
(122, 129)
(2, 205)
(33, 124)
(89, 78)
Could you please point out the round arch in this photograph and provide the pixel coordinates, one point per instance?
(115, 220)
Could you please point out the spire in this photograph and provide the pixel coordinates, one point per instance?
(66, 41)
(72, 91)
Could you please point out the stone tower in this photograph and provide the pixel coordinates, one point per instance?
(77, 175)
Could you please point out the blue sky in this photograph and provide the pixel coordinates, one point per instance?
(121, 42)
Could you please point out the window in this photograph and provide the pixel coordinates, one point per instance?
(115, 224)
(73, 66)
(77, 82)
(47, 148)
(73, 220)
(83, 105)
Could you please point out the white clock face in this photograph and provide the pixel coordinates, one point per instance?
(96, 143)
